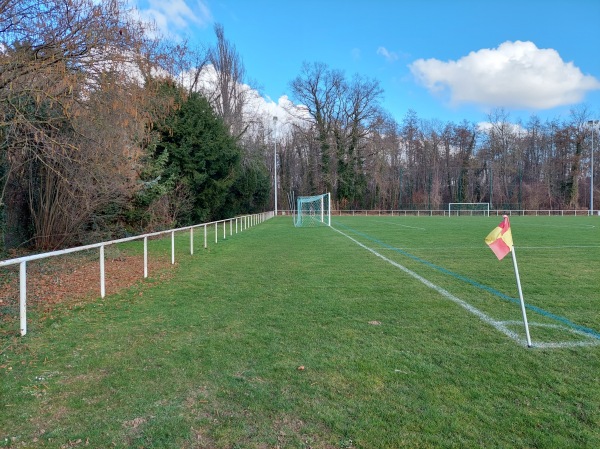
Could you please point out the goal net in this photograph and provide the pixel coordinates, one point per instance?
(457, 209)
(313, 211)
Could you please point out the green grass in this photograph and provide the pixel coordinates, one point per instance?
(210, 359)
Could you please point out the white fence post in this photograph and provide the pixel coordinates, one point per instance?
(205, 241)
(172, 247)
(145, 257)
(216, 232)
(102, 286)
(224, 229)
(23, 296)
(192, 240)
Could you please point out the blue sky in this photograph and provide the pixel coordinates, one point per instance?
(449, 60)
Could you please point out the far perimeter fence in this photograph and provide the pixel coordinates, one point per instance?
(444, 212)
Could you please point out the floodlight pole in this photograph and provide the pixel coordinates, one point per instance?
(592, 123)
(275, 161)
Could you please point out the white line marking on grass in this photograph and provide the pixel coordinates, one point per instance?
(589, 341)
(586, 226)
(497, 324)
(449, 249)
(399, 224)
(484, 248)
(501, 326)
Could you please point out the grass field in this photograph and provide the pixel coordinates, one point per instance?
(380, 332)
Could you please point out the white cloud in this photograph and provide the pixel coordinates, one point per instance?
(516, 74)
(258, 111)
(288, 114)
(175, 16)
(513, 128)
(390, 56)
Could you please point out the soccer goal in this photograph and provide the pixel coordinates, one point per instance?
(313, 211)
(469, 209)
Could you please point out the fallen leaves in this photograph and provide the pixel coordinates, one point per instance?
(73, 279)
(134, 423)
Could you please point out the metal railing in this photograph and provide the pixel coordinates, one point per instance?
(444, 212)
(242, 222)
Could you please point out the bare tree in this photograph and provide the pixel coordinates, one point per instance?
(227, 91)
(71, 112)
(577, 132)
(319, 89)
(343, 115)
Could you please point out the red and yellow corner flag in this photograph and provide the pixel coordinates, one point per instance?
(500, 239)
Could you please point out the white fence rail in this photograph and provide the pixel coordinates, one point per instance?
(444, 212)
(242, 223)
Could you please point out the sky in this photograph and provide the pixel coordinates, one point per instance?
(448, 60)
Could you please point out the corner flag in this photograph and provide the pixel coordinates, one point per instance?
(501, 243)
(500, 239)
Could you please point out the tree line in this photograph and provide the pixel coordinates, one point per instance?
(100, 138)
(348, 145)
(107, 130)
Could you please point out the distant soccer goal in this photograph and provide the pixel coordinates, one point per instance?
(456, 209)
(313, 211)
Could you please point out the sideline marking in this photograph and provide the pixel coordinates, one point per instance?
(400, 224)
(588, 226)
(562, 344)
(560, 319)
(501, 326)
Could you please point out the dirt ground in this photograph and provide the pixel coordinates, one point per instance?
(73, 279)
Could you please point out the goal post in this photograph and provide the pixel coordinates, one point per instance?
(458, 209)
(313, 211)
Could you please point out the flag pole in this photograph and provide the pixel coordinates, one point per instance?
(514, 258)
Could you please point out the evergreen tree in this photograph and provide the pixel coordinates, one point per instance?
(202, 155)
(251, 191)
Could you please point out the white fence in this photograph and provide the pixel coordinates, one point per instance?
(444, 212)
(241, 223)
